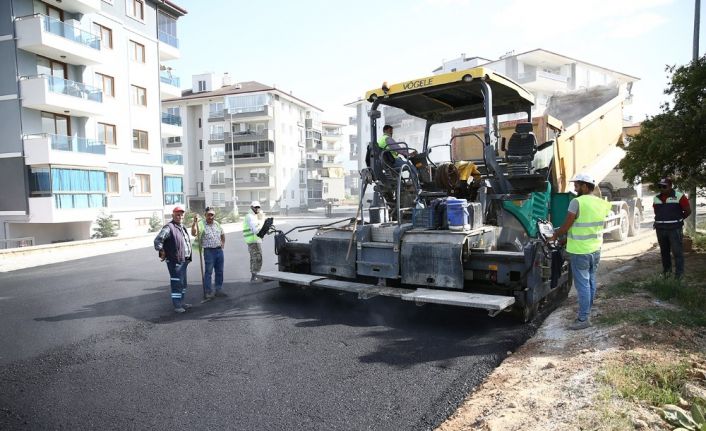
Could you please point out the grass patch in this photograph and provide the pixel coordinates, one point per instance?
(651, 382)
(699, 241)
(692, 299)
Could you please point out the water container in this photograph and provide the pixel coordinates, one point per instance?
(457, 213)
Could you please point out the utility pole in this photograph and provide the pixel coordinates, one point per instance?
(691, 222)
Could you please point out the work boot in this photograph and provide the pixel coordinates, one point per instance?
(220, 294)
(580, 324)
(210, 296)
(179, 310)
(186, 306)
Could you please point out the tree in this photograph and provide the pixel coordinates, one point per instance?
(105, 227)
(673, 142)
(155, 223)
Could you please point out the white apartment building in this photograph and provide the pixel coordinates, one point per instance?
(327, 173)
(81, 116)
(242, 142)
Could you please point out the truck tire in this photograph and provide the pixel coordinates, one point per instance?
(621, 234)
(635, 222)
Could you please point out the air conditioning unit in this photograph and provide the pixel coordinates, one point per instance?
(132, 182)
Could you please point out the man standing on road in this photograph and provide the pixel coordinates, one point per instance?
(584, 224)
(210, 237)
(671, 208)
(252, 224)
(174, 244)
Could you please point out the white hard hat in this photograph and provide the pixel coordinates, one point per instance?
(255, 204)
(584, 178)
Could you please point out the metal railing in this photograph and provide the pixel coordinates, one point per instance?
(70, 88)
(168, 39)
(168, 79)
(242, 110)
(72, 143)
(173, 159)
(27, 241)
(174, 120)
(62, 29)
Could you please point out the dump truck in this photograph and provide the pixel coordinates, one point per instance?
(472, 231)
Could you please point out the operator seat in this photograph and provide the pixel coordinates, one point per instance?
(521, 150)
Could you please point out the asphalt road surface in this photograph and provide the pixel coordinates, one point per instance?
(94, 344)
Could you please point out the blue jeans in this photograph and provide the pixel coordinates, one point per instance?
(671, 243)
(399, 162)
(177, 281)
(213, 259)
(584, 267)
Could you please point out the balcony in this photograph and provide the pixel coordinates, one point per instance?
(79, 6)
(260, 182)
(49, 149)
(168, 46)
(61, 96)
(239, 137)
(169, 86)
(250, 112)
(544, 81)
(48, 209)
(171, 125)
(173, 164)
(332, 150)
(174, 142)
(251, 159)
(57, 40)
(216, 115)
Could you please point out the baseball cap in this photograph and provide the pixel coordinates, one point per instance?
(210, 210)
(665, 181)
(255, 204)
(178, 210)
(584, 178)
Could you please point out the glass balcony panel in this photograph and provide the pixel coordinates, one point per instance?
(75, 144)
(174, 120)
(170, 80)
(73, 88)
(168, 39)
(173, 159)
(59, 28)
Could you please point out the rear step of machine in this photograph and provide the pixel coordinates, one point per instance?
(493, 303)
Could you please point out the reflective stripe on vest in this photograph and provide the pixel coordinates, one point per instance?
(250, 236)
(586, 234)
(668, 213)
(382, 143)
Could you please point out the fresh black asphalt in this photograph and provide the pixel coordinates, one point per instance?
(93, 344)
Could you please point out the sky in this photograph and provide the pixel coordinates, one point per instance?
(330, 52)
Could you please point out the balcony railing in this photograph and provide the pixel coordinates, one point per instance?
(59, 28)
(216, 136)
(172, 159)
(168, 39)
(71, 88)
(246, 109)
(174, 120)
(72, 143)
(168, 79)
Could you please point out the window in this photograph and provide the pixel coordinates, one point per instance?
(218, 177)
(217, 154)
(173, 190)
(219, 199)
(200, 144)
(106, 83)
(106, 133)
(139, 140)
(113, 183)
(50, 11)
(142, 221)
(48, 67)
(136, 9)
(106, 35)
(137, 51)
(56, 124)
(139, 95)
(200, 165)
(202, 86)
(142, 184)
(78, 188)
(199, 123)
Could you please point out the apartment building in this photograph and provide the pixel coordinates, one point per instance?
(80, 94)
(243, 141)
(325, 171)
(543, 73)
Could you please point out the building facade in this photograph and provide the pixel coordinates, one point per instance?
(243, 142)
(80, 95)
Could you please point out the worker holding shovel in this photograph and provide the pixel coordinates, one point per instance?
(211, 239)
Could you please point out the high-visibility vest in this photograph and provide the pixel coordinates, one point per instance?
(382, 143)
(668, 214)
(586, 234)
(250, 236)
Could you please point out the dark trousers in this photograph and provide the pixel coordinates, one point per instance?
(671, 243)
(213, 260)
(177, 281)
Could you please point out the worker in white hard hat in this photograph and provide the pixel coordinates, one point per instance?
(252, 223)
(584, 224)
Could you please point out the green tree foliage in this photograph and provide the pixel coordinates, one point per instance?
(673, 142)
(105, 227)
(155, 223)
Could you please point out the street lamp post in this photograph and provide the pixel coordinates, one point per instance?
(232, 161)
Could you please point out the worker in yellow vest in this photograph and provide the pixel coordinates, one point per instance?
(252, 224)
(584, 224)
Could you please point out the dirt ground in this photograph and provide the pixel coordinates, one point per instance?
(552, 382)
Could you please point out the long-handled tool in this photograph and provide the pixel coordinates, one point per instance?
(203, 278)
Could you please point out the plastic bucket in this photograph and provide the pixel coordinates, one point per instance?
(457, 214)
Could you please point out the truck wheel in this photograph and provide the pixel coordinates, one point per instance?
(635, 223)
(621, 234)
